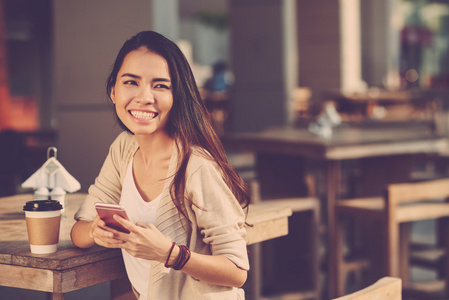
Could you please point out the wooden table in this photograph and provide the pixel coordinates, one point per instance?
(71, 268)
(345, 144)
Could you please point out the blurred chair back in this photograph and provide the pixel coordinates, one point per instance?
(395, 212)
(386, 288)
(12, 152)
(423, 191)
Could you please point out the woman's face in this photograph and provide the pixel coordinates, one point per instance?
(142, 93)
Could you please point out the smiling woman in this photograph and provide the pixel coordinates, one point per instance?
(169, 171)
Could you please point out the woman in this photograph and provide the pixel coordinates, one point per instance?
(169, 171)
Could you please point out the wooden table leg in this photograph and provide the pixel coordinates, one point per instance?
(446, 258)
(405, 232)
(255, 272)
(55, 296)
(333, 182)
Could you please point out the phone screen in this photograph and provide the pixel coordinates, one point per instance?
(106, 212)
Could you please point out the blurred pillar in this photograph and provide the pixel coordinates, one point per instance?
(263, 53)
(319, 46)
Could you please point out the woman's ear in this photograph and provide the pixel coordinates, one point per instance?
(112, 95)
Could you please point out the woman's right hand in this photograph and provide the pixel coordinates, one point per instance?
(104, 235)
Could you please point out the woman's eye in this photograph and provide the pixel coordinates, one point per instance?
(162, 86)
(130, 82)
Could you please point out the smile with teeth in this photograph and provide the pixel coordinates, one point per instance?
(145, 115)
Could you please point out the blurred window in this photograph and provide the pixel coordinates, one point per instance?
(25, 68)
(424, 43)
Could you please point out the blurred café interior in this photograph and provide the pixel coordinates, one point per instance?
(342, 104)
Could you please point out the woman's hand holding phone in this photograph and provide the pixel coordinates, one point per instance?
(103, 235)
(141, 240)
(105, 230)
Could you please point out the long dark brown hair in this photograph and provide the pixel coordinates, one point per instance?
(189, 121)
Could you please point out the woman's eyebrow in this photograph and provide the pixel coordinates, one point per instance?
(138, 77)
(130, 75)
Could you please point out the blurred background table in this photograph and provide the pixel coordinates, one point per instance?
(282, 155)
(382, 105)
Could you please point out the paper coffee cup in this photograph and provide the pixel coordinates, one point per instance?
(43, 219)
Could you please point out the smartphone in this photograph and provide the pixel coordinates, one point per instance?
(106, 211)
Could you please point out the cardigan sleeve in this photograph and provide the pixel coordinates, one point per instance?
(219, 216)
(108, 185)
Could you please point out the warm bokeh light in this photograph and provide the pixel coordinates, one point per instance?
(411, 75)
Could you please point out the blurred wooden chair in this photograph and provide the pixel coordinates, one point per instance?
(298, 205)
(403, 204)
(386, 288)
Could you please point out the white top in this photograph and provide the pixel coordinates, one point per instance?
(138, 210)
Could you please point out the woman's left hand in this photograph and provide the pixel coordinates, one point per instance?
(144, 240)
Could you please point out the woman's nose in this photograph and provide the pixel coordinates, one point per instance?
(145, 95)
